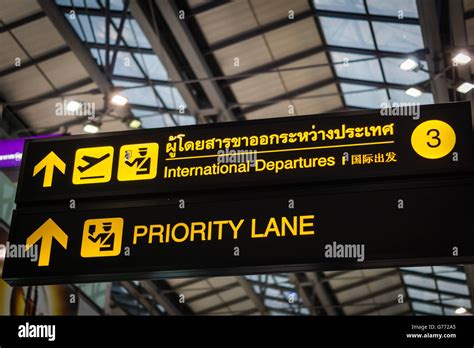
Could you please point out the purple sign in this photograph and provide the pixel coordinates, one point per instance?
(11, 150)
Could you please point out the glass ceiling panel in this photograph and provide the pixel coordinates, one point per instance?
(419, 269)
(392, 8)
(423, 282)
(124, 65)
(399, 96)
(370, 99)
(395, 37)
(128, 65)
(453, 287)
(79, 3)
(365, 70)
(427, 308)
(393, 73)
(422, 294)
(171, 97)
(347, 32)
(182, 120)
(354, 6)
(132, 33)
(139, 95)
(458, 302)
(152, 66)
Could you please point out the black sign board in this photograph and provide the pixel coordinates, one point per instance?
(290, 150)
(328, 228)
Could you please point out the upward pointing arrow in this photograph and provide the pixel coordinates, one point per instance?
(48, 163)
(46, 232)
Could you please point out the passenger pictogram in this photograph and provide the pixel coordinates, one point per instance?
(138, 162)
(102, 237)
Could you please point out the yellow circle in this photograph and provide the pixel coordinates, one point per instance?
(433, 139)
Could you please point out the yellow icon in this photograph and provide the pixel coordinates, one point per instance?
(433, 139)
(46, 233)
(48, 163)
(102, 237)
(93, 165)
(138, 162)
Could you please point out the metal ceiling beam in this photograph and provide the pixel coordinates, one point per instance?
(92, 11)
(222, 305)
(157, 109)
(375, 83)
(81, 52)
(122, 48)
(159, 49)
(378, 307)
(21, 22)
(37, 60)
(160, 298)
(193, 55)
(212, 292)
(130, 287)
(278, 63)
(359, 16)
(286, 96)
(54, 94)
(366, 280)
(430, 28)
(420, 54)
(323, 294)
(251, 33)
(295, 278)
(141, 80)
(373, 294)
(256, 299)
(207, 6)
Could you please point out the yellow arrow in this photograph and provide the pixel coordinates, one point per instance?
(48, 164)
(46, 232)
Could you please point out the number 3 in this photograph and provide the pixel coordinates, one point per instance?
(435, 137)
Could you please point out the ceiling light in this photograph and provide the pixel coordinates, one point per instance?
(460, 311)
(413, 92)
(118, 100)
(134, 123)
(464, 87)
(461, 59)
(91, 127)
(73, 106)
(409, 64)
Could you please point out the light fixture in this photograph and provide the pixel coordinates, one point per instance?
(118, 100)
(73, 106)
(134, 123)
(460, 311)
(409, 64)
(91, 127)
(464, 87)
(461, 59)
(413, 92)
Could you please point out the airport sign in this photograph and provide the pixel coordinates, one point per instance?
(421, 222)
(252, 154)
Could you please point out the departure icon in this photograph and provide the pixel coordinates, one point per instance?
(93, 165)
(138, 162)
(102, 237)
